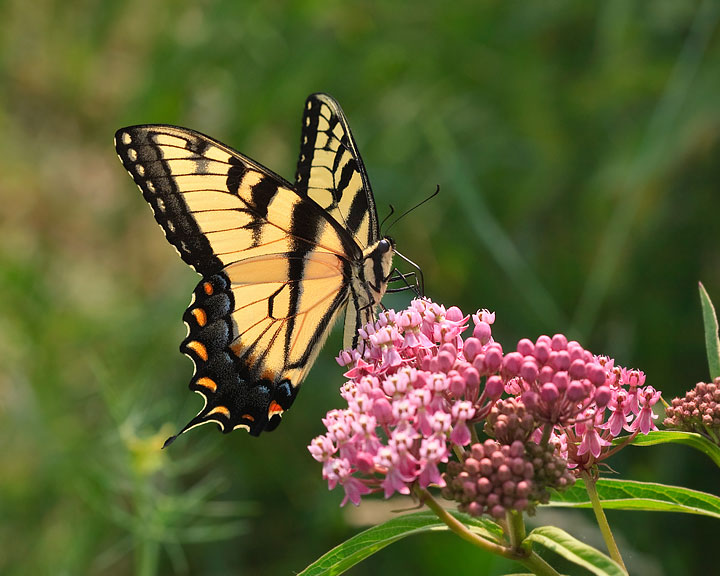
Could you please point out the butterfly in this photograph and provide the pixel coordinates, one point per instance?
(279, 261)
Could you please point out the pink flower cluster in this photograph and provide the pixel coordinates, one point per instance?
(586, 399)
(629, 408)
(416, 390)
(411, 393)
(557, 380)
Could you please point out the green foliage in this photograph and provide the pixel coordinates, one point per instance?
(577, 552)
(650, 496)
(370, 541)
(712, 343)
(697, 441)
(575, 144)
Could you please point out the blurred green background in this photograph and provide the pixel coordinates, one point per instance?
(576, 145)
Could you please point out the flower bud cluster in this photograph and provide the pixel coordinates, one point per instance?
(550, 470)
(491, 479)
(509, 420)
(556, 379)
(698, 411)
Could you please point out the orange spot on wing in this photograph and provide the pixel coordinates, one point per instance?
(248, 417)
(240, 350)
(199, 349)
(208, 288)
(220, 410)
(208, 383)
(274, 408)
(200, 316)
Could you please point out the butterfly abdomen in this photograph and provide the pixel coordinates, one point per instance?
(370, 283)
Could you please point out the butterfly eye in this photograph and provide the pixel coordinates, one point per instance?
(384, 245)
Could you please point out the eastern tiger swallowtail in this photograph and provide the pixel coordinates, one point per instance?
(278, 261)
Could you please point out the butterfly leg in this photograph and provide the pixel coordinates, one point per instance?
(419, 274)
(413, 283)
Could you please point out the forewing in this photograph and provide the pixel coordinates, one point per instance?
(217, 206)
(331, 172)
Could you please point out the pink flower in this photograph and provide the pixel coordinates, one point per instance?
(620, 410)
(354, 489)
(591, 442)
(647, 398)
(433, 450)
(461, 413)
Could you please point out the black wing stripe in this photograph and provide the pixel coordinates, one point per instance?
(347, 172)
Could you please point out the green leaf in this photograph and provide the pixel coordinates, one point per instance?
(648, 496)
(362, 545)
(575, 551)
(712, 344)
(697, 441)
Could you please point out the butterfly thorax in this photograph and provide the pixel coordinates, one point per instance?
(375, 272)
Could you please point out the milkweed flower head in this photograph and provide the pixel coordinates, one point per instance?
(413, 391)
(420, 386)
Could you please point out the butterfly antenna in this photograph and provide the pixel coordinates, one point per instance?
(392, 211)
(437, 191)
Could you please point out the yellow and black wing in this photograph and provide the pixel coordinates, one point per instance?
(330, 170)
(277, 266)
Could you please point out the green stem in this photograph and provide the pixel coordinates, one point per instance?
(520, 553)
(547, 430)
(515, 528)
(147, 548)
(602, 519)
(474, 436)
(147, 557)
(458, 452)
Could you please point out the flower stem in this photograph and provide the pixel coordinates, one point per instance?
(602, 519)
(458, 450)
(515, 528)
(547, 430)
(473, 435)
(518, 553)
(146, 558)
(456, 526)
